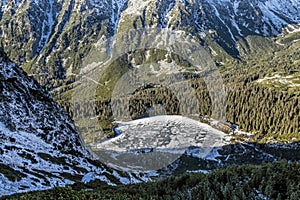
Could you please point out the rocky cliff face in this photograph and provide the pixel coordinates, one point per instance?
(54, 35)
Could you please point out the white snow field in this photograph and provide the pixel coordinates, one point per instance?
(155, 142)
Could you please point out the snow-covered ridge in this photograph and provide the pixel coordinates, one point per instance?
(230, 19)
(271, 12)
(39, 144)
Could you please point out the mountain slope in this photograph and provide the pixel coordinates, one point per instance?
(224, 21)
(60, 33)
(40, 147)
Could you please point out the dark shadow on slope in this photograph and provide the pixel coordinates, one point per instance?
(219, 157)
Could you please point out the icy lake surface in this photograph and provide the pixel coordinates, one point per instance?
(155, 142)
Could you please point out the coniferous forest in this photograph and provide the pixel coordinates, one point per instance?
(268, 181)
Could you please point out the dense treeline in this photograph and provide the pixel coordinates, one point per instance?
(268, 181)
(142, 101)
(270, 109)
(253, 107)
(264, 111)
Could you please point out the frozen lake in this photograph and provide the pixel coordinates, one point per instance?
(155, 142)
